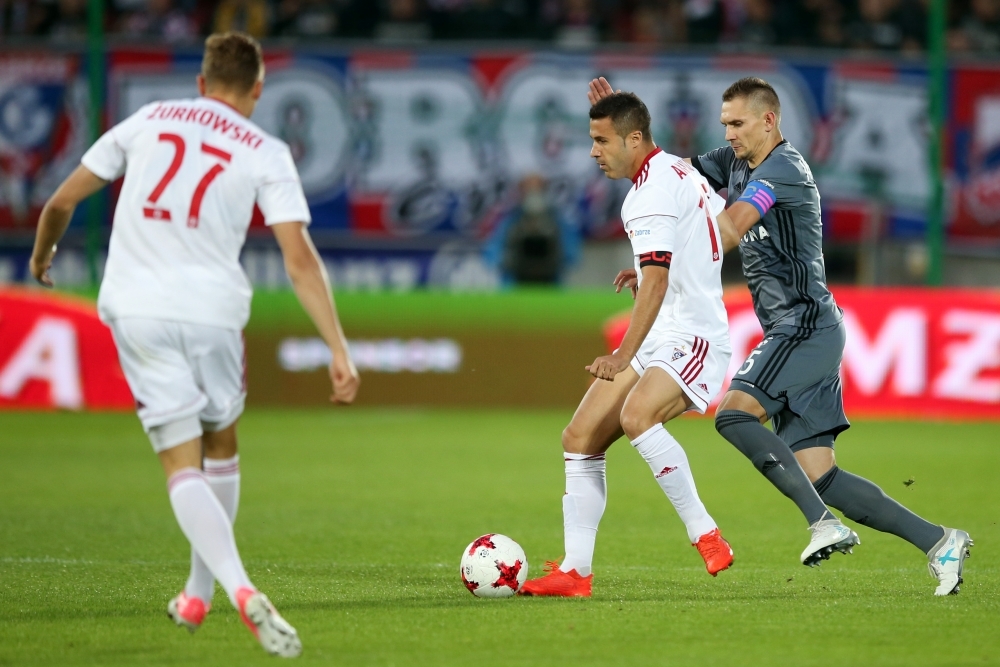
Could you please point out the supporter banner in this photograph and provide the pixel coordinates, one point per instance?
(43, 131)
(910, 352)
(408, 144)
(56, 353)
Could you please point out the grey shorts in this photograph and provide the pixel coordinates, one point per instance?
(795, 375)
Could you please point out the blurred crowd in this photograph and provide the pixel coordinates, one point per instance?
(887, 25)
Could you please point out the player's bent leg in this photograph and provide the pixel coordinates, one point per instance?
(205, 523)
(221, 464)
(596, 424)
(738, 420)
(657, 398)
(594, 428)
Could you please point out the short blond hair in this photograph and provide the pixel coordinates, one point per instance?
(232, 60)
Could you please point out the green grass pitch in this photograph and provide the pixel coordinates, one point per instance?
(353, 521)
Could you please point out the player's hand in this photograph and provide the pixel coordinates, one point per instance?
(608, 366)
(39, 268)
(599, 89)
(627, 278)
(345, 379)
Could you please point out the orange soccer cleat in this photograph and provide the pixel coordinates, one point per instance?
(557, 583)
(716, 551)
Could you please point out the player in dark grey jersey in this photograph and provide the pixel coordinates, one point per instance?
(793, 376)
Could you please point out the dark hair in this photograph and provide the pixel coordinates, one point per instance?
(627, 113)
(758, 92)
(232, 60)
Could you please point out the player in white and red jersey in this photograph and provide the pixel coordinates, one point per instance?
(176, 298)
(674, 356)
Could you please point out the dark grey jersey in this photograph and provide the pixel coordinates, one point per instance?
(783, 252)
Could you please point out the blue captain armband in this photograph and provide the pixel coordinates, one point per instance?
(760, 195)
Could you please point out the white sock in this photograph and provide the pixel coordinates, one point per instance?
(583, 506)
(204, 522)
(669, 463)
(223, 477)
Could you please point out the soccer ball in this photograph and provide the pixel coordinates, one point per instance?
(494, 566)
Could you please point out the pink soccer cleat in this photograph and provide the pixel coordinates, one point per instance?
(187, 612)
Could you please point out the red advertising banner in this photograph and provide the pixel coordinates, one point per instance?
(930, 354)
(56, 353)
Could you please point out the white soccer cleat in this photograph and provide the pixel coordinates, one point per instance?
(946, 560)
(271, 630)
(828, 535)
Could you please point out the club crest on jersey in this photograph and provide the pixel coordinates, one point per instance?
(756, 234)
(678, 354)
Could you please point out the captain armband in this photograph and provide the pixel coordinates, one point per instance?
(760, 195)
(655, 258)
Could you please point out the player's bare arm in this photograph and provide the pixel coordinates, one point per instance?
(312, 287)
(55, 218)
(731, 230)
(743, 216)
(647, 305)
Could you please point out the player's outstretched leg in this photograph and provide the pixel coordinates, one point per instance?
(594, 427)
(658, 398)
(774, 459)
(864, 502)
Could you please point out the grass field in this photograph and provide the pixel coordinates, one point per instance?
(354, 520)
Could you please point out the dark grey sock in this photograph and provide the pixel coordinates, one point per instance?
(772, 457)
(866, 503)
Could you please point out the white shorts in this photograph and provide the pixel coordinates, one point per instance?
(699, 367)
(185, 378)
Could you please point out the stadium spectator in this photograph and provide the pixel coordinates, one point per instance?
(358, 19)
(704, 20)
(979, 30)
(160, 18)
(405, 21)
(305, 18)
(478, 19)
(249, 16)
(535, 242)
(18, 18)
(888, 25)
(656, 23)
(70, 20)
(757, 28)
(576, 25)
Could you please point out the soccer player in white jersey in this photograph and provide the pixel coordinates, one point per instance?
(674, 356)
(176, 298)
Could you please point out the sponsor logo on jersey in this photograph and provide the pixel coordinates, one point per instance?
(638, 232)
(678, 354)
(703, 387)
(755, 234)
(767, 183)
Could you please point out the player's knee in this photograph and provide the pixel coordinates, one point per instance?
(635, 422)
(573, 441)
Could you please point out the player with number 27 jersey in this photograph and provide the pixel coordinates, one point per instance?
(670, 218)
(195, 169)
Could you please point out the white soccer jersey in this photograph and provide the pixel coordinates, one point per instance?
(193, 171)
(670, 217)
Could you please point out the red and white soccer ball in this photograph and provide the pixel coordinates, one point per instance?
(494, 566)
